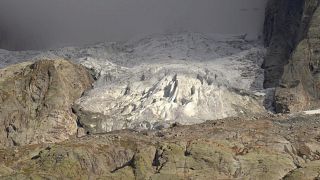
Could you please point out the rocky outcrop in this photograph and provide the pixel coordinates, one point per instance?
(309, 171)
(291, 65)
(299, 86)
(286, 24)
(234, 148)
(36, 99)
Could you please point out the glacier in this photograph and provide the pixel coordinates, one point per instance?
(157, 80)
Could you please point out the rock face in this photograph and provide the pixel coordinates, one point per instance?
(36, 99)
(253, 148)
(291, 64)
(286, 24)
(299, 88)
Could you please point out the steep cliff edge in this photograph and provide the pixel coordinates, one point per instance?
(299, 87)
(286, 23)
(282, 21)
(292, 37)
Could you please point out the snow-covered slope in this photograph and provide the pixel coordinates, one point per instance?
(144, 83)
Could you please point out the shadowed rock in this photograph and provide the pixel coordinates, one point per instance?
(300, 84)
(286, 23)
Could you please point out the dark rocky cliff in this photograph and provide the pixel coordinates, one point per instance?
(285, 25)
(291, 34)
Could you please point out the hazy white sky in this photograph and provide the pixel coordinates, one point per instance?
(47, 23)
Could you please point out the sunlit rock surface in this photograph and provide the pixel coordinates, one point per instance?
(271, 147)
(36, 99)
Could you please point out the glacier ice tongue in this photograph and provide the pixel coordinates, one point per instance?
(150, 82)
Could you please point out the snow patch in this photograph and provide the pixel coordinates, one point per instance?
(312, 112)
